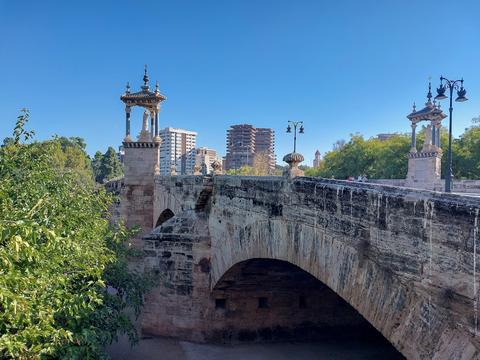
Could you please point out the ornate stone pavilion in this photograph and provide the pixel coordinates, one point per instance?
(142, 155)
(424, 166)
(150, 101)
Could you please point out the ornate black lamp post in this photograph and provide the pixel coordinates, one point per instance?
(300, 131)
(461, 92)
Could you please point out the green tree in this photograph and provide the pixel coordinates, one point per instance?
(374, 158)
(96, 163)
(58, 256)
(243, 171)
(388, 159)
(466, 154)
(69, 153)
(108, 167)
(351, 159)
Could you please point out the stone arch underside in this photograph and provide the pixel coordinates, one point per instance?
(274, 300)
(385, 301)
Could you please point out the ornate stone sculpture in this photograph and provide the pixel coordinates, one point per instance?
(217, 167)
(293, 160)
(197, 170)
(156, 169)
(424, 167)
(145, 135)
(428, 138)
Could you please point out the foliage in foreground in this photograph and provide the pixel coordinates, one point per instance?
(58, 255)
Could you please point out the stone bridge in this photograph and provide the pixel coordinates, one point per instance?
(268, 258)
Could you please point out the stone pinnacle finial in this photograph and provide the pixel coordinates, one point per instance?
(156, 88)
(145, 75)
(414, 107)
(145, 80)
(429, 95)
(127, 91)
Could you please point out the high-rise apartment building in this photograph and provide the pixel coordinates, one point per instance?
(265, 144)
(240, 146)
(177, 150)
(244, 142)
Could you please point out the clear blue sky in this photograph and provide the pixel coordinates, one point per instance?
(340, 66)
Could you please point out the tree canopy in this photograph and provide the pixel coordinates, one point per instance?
(373, 158)
(260, 167)
(387, 159)
(59, 254)
(106, 166)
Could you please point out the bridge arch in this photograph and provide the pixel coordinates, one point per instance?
(368, 288)
(164, 216)
(274, 300)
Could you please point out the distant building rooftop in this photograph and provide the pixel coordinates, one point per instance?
(177, 130)
(383, 137)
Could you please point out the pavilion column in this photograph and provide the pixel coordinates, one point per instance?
(434, 137)
(437, 142)
(127, 121)
(156, 123)
(152, 122)
(414, 138)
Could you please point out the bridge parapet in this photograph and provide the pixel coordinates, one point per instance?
(179, 193)
(458, 186)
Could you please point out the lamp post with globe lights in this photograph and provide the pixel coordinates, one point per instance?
(300, 131)
(461, 92)
(294, 159)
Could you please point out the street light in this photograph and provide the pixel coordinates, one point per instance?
(300, 131)
(461, 92)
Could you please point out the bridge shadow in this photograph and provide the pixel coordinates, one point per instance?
(164, 216)
(267, 300)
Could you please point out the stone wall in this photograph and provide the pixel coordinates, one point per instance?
(180, 193)
(179, 252)
(403, 258)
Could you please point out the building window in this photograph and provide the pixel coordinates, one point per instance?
(262, 302)
(220, 303)
(302, 302)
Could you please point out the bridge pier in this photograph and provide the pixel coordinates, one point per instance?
(137, 193)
